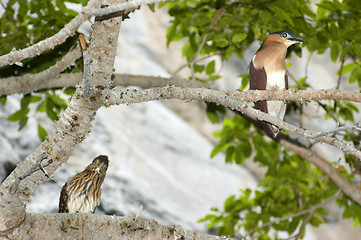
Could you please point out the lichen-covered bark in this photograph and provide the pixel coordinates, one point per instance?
(90, 226)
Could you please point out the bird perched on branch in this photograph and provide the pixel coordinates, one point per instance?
(267, 71)
(82, 192)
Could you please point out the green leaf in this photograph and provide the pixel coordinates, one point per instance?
(24, 103)
(58, 101)
(35, 99)
(198, 68)
(348, 68)
(230, 154)
(322, 211)
(221, 43)
(49, 110)
(239, 37)
(18, 115)
(293, 225)
(42, 106)
(42, 133)
(3, 100)
(245, 81)
(212, 111)
(284, 15)
(335, 50)
(60, 4)
(210, 69)
(220, 148)
(357, 49)
(229, 203)
(213, 117)
(69, 91)
(229, 52)
(171, 32)
(316, 220)
(246, 148)
(22, 123)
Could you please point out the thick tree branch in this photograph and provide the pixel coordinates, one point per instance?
(69, 30)
(232, 100)
(93, 226)
(100, 56)
(22, 85)
(72, 79)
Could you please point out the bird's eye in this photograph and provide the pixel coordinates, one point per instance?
(284, 35)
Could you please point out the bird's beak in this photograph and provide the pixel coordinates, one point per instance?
(101, 165)
(295, 40)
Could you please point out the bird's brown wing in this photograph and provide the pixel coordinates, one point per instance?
(63, 201)
(258, 81)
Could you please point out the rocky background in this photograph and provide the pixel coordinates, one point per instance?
(159, 152)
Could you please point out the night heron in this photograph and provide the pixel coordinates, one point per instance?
(267, 71)
(83, 191)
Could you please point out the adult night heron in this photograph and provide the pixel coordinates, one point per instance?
(267, 71)
(83, 191)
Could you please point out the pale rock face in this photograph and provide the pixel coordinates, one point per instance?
(156, 159)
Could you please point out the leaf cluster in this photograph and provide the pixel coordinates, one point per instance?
(23, 24)
(49, 102)
(290, 186)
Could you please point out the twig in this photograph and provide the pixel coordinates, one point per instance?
(338, 82)
(308, 63)
(195, 61)
(37, 166)
(328, 112)
(355, 127)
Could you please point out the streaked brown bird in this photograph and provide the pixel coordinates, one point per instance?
(82, 192)
(267, 71)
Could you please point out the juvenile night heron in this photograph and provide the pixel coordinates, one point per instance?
(267, 71)
(82, 192)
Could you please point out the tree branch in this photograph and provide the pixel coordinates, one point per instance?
(98, 69)
(22, 84)
(93, 226)
(232, 100)
(32, 82)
